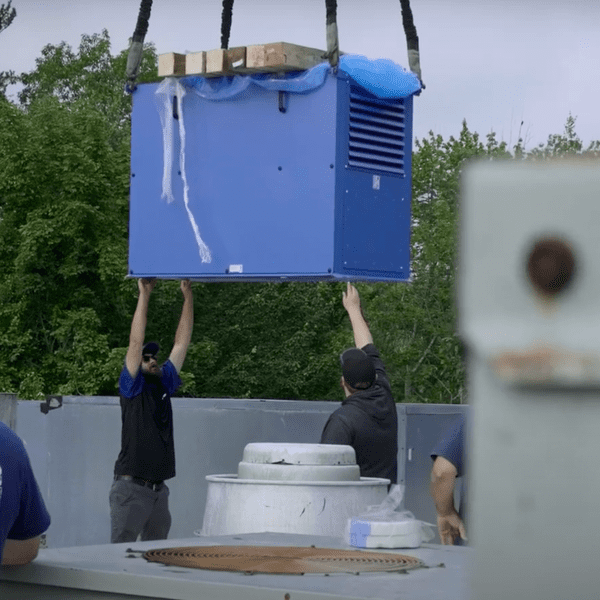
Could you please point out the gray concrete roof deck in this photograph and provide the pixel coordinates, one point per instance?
(106, 569)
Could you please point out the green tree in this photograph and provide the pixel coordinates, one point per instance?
(64, 177)
(257, 340)
(90, 76)
(63, 201)
(565, 145)
(414, 324)
(418, 321)
(66, 306)
(7, 16)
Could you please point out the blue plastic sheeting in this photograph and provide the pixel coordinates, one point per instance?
(382, 77)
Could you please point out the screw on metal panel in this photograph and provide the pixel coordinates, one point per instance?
(551, 266)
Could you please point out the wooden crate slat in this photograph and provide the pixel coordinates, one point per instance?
(195, 63)
(225, 62)
(171, 64)
(258, 58)
(281, 56)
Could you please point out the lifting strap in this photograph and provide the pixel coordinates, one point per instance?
(137, 45)
(333, 43)
(226, 23)
(412, 39)
(333, 46)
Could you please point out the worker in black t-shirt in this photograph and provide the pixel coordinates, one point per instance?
(139, 497)
(367, 419)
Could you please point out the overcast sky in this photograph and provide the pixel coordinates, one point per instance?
(494, 63)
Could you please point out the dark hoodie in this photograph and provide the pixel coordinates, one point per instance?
(367, 421)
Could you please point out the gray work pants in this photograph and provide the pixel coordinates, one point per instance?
(137, 510)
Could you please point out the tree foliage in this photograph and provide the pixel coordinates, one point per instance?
(91, 77)
(64, 180)
(7, 16)
(66, 305)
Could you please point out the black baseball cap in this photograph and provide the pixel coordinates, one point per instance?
(151, 348)
(358, 369)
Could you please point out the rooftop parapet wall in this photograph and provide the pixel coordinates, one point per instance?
(73, 450)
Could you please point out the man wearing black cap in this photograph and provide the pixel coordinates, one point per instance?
(367, 419)
(139, 497)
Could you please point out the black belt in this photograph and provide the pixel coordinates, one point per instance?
(153, 485)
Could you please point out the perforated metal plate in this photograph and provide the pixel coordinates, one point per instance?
(281, 560)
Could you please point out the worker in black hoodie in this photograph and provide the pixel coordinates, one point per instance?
(367, 419)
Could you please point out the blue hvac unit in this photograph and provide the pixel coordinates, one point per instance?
(271, 185)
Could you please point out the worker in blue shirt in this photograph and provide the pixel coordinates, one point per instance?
(139, 496)
(23, 514)
(449, 464)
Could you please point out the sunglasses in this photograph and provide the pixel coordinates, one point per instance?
(148, 357)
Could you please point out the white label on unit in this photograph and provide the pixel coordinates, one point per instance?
(376, 182)
(236, 268)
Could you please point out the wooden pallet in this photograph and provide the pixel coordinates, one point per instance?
(261, 58)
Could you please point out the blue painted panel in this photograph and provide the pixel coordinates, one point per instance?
(261, 186)
(374, 192)
(272, 192)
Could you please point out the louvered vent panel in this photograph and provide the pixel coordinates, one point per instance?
(376, 138)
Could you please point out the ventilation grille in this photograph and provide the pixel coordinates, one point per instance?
(376, 136)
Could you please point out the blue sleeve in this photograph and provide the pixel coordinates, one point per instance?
(33, 518)
(170, 377)
(129, 386)
(450, 446)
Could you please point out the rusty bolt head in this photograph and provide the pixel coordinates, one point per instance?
(551, 266)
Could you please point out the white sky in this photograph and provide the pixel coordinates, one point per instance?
(494, 63)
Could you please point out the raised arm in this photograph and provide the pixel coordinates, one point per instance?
(183, 335)
(351, 301)
(133, 360)
(443, 479)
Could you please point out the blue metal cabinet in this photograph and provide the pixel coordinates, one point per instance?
(319, 191)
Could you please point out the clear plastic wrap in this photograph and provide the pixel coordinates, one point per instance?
(386, 526)
(169, 89)
(382, 77)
